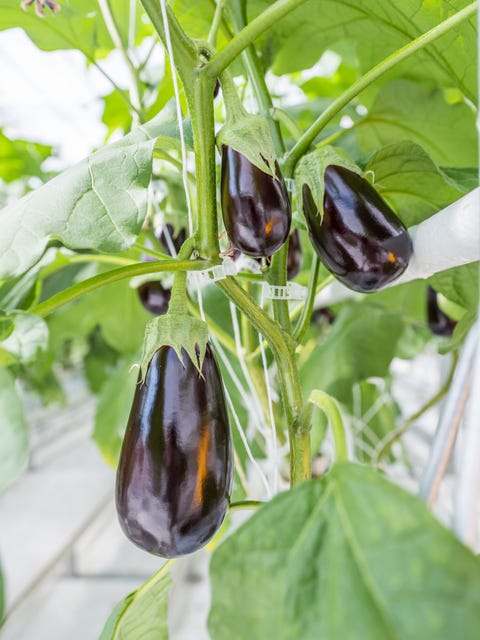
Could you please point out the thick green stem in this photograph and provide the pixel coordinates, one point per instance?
(249, 34)
(283, 349)
(47, 307)
(179, 299)
(378, 70)
(201, 110)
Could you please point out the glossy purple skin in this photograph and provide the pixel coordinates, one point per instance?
(255, 206)
(438, 322)
(360, 240)
(294, 255)
(154, 297)
(175, 472)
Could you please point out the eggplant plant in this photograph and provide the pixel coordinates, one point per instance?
(282, 150)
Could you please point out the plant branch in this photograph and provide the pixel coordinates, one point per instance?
(283, 349)
(47, 307)
(375, 72)
(247, 35)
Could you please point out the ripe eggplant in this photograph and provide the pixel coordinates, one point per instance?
(175, 472)
(255, 205)
(360, 239)
(438, 321)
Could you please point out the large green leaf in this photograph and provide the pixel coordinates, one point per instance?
(411, 182)
(360, 344)
(113, 409)
(78, 25)
(375, 29)
(143, 613)
(406, 110)
(99, 203)
(347, 556)
(13, 431)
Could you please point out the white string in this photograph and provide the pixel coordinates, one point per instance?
(274, 452)
(246, 445)
(176, 91)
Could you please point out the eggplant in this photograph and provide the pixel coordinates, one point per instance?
(255, 205)
(175, 473)
(360, 239)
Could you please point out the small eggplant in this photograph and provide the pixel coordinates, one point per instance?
(175, 472)
(438, 321)
(255, 205)
(154, 297)
(360, 239)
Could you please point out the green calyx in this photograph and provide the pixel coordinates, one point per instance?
(179, 332)
(250, 135)
(310, 171)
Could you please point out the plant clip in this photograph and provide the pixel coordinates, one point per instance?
(213, 274)
(290, 184)
(292, 291)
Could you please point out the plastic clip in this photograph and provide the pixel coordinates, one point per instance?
(292, 291)
(213, 274)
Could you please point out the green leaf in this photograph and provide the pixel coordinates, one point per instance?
(360, 344)
(374, 30)
(406, 110)
(99, 203)
(20, 159)
(28, 338)
(13, 431)
(112, 413)
(347, 556)
(406, 176)
(460, 285)
(466, 177)
(78, 25)
(143, 613)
